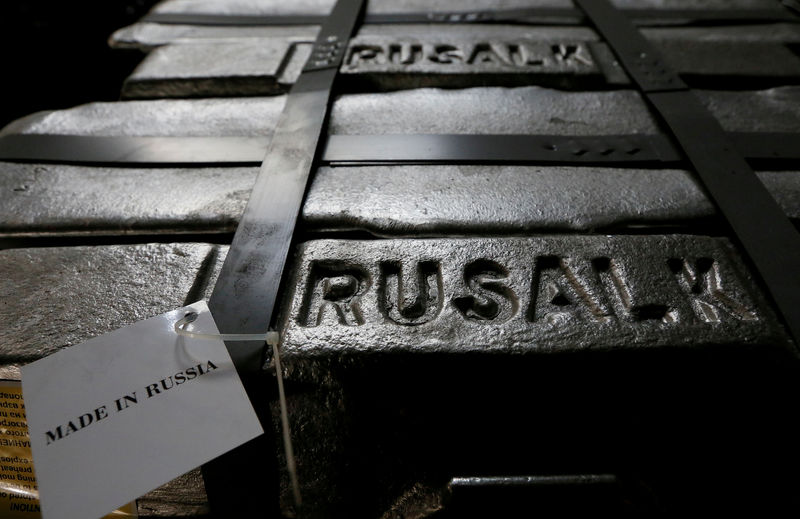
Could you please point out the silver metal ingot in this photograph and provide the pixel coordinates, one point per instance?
(50, 198)
(53, 297)
(320, 7)
(58, 199)
(569, 61)
(436, 200)
(413, 56)
(522, 296)
(257, 66)
(147, 36)
(199, 117)
(523, 110)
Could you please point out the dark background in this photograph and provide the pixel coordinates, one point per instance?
(55, 54)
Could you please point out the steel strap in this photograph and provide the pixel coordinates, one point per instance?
(609, 150)
(521, 16)
(243, 300)
(622, 150)
(762, 228)
(244, 297)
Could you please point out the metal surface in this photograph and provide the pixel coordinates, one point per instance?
(566, 57)
(246, 290)
(392, 62)
(520, 149)
(493, 149)
(48, 293)
(245, 294)
(644, 12)
(58, 200)
(84, 149)
(372, 149)
(257, 66)
(770, 240)
(523, 110)
(559, 339)
(445, 6)
(522, 296)
(48, 199)
(147, 36)
(453, 200)
(413, 362)
(534, 110)
(184, 496)
(533, 16)
(250, 117)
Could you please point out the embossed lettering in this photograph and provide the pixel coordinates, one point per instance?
(405, 53)
(562, 289)
(333, 291)
(648, 291)
(613, 276)
(570, 54)
(410, 293)
(366, 55)
(493, 301)
(701, 280)
(484, 53)
(446, 54)
(525, 56)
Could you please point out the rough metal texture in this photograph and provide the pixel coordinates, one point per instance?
(410, 200)
(56, 297)
(182, 497)
(473, 110)
(51, 298)
(57, 199)
(543, 64)
(539, 110)
(409, 362)
(481, 110)
(773, 110)
(149, 35)
(458, 55)
(201, 117)
(38, 198)
(318, 7)
(46, 199)
(273, 7)
(612, 346)
(777, 32)
(521, 295)
(265, 66)
(522, 110)
(746, 61)
(481, 60)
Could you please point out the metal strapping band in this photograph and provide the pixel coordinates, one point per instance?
(384, 149)
(633, 149)
(244, 297)
(762, 228)
(527, 15)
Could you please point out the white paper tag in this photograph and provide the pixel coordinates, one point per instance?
(126, 412)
